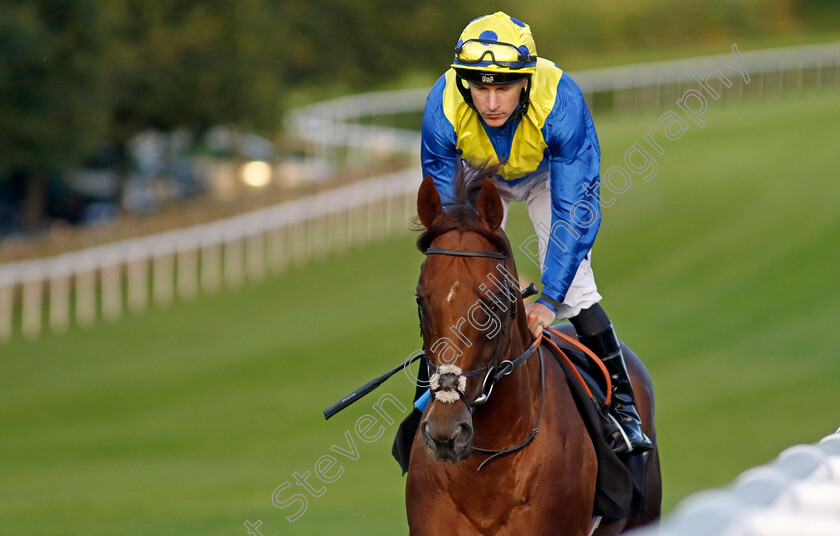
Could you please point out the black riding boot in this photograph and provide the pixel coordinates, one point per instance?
(606, 346)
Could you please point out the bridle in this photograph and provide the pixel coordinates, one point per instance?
(448, 382)
(493, 372)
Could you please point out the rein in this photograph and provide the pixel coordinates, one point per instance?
(494, 373)
(495, 453)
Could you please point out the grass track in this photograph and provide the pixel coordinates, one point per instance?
(721, 271)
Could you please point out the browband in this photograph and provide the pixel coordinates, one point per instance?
(465, 253)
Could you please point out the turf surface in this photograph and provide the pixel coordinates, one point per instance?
(721, 271)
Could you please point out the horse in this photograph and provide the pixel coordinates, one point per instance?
(501, 448)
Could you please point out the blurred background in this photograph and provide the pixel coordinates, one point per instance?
(204, 242)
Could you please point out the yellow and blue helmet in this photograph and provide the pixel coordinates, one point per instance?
(495, 49)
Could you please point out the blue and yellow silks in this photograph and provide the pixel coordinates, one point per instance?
(555, 138)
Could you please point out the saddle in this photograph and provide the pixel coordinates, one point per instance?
(619, 483)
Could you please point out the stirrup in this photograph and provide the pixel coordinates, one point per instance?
(618, 447)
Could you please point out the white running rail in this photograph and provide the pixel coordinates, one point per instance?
(327, 125)
(104, 281)
(798, 494)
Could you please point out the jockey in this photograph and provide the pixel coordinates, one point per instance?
(500, 102)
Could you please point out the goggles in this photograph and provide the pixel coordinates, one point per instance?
(505, 55)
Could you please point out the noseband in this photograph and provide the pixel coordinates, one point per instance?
(448, 382)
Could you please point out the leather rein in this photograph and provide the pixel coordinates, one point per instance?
(494, 371)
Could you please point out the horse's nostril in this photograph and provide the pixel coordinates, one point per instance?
(463, 437)
(427, 436)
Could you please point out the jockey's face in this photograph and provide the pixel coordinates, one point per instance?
(496, 102)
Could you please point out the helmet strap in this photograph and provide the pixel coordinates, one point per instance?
(524, 100)
(525, 97)
(465, 92)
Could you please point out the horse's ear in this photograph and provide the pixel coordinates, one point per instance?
(489, 205)
(429, 207)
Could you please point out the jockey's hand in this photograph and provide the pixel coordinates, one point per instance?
(538, 316)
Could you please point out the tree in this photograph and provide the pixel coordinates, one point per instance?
(350, 44)
(195, 64)
(54, 82)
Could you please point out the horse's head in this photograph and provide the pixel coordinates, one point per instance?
(467, 297)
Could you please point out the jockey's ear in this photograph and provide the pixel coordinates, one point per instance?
(429, 207)
(489, 205)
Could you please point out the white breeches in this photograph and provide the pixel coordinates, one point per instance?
(583, 293)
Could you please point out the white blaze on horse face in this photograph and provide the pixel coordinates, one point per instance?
(452, 291)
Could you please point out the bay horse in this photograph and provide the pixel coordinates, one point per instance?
(512, 458)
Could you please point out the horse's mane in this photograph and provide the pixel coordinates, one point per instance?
(460, 213)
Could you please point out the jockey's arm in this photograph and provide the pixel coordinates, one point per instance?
(438, 153)
(574, 164)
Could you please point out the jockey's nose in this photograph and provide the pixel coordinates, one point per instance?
(492, 100)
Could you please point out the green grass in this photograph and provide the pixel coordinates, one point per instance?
(721, 272)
